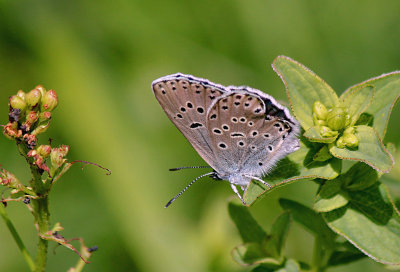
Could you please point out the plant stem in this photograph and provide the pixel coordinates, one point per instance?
(42, 218)
(40, 208)
(17, 238)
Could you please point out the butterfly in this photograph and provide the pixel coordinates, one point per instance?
(240, 132)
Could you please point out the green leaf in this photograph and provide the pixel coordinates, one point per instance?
(330, 196)
(253, 253)
(370, 223)
(370, 150)
(249, 229)
(357, 101)
(261, 248)
(311, 220)
(387, 91)
(290, 266)
(303, 88)
(359, 177)
(344, 257)
(297, 166)
(279, 232)
(313, 135)
(262, 268)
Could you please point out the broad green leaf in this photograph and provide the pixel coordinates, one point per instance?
(359, 177)
(297, 166)
(248, 227)
(290, 266)
(370, 150)
(261, 248)
(262, 268)
(330, 196)
(278, 233)
(357, 101)
(387, 91)
(311, 220)
(253, 253)
(313, 135)
(370, 223)
(303, 88)
(344, 257)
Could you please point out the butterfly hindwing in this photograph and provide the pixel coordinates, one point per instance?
(247, 134)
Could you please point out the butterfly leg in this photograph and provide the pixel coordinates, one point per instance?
(237, 192)
(260, 180)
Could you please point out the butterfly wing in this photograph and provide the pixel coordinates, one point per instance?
(185, 99)
(250, 132)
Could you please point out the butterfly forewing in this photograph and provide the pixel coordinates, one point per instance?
(185, 100)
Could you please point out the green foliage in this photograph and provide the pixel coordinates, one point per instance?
(342, 150)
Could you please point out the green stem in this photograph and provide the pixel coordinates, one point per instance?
(17, 238)
(40, 208)
(79, 266)
(42, 218)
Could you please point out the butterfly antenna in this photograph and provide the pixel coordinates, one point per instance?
(188, 167)
(193, 181)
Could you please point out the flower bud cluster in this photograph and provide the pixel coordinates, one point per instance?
(9, 180)
(40, 154)
(57, 157)
(335, 122)
(30, 114)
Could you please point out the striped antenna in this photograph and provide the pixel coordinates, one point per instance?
(188, 167)
(193, 181)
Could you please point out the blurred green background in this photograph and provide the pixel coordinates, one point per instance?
(101, 57)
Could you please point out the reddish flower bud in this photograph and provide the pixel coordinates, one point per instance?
(21, 94)
(44, 150)
(57, 156)
(49, 101)
(40, 89)
(33, 97)
(31, 118)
